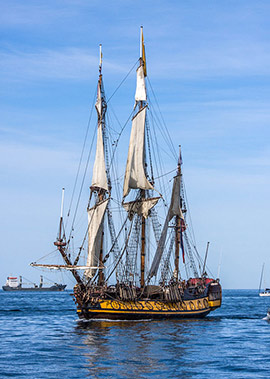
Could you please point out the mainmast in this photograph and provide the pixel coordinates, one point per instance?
(101, 194)
(135, 175)
(142, 280)
(177, 227)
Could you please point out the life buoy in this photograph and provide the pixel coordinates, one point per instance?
(200, 304)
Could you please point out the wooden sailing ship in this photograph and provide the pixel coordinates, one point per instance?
(137, 274)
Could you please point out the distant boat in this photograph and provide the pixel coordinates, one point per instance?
(266, 291)
(12, 284)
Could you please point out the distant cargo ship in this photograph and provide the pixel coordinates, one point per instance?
(12, 284)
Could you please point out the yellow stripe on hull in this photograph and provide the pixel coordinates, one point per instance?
(214, 304)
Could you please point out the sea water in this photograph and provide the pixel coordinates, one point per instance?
(41, 337)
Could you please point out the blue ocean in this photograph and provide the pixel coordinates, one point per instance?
(41, 337)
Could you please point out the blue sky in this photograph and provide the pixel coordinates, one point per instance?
(209, 64)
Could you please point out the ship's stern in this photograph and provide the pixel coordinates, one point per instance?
(214, 295)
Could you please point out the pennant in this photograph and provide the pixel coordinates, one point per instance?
(143, 57)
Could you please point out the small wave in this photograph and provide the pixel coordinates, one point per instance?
(10, 310)
(108, 320)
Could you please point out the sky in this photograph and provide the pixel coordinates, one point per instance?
(209, 65)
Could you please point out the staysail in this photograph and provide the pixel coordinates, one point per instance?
(174, 210)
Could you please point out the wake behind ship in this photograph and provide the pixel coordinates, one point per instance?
(12, 284)
(138, 257)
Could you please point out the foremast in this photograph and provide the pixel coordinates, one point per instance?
(100, 189)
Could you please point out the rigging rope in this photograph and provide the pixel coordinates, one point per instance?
(122, 81)
(164, 124)
(80, 192)
(81, 157)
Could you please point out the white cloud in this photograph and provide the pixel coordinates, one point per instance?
(70, 63)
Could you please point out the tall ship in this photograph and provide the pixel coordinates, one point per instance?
(137, 259)
(13, 284)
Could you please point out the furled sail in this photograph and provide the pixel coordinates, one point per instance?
(174, 210)
(135, 174)
(140, 94)
(95, 227)
(99, 179)
(141, 207)
(98, 104)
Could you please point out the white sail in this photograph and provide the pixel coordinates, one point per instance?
(141, 207)
(140, 94)
(174, 210)
(135, 175)
(99, 178)
(95, 227)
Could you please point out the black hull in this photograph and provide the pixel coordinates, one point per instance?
(143, 316)
(59, 288)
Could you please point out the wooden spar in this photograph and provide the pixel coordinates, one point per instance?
(177, 227)
(61, 247)
(61, 215)
(143, 221)
(177, 246)
(59, 267)
(143, 247)
(205, 258)
(101, 193)
(100, 271)
(60, 243)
